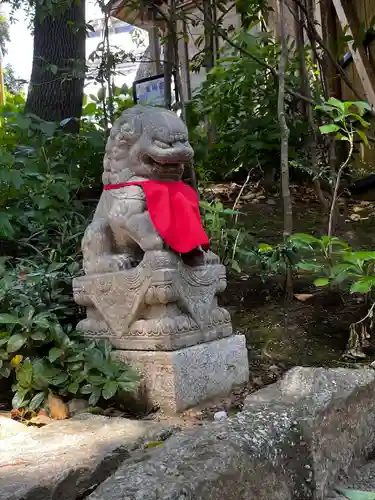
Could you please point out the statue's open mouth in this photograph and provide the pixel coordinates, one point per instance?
(165, 164)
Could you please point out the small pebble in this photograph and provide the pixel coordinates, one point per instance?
(220, 415)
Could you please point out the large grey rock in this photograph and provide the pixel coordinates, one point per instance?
(362, 479)
(9, 427)
(219, 461)
(290, 442)
(336, 416)
(66, 458)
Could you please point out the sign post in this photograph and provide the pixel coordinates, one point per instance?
(151, 91)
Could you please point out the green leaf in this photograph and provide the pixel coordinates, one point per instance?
(89, 109)
(3, 354)
(47, 128)
(75, 357)
(358, 256)
(37, 401)
(264, 247)
(9, 319)
(15, 342)
(87, 389)
(362, 106)
(96, 379)
(59, 379)
(127, 386)
(19, 398)
(344, 268)
(4, 372)
(95, 357)
(25, 374)
(356, 494)
(109, 389)
(310, 266)
(363, 136)
(54, 354)
(95, 396)
(363, 285)
(4, 340)
(235, 266)
(73, 367)
(73, 387)
(332, 101)
(42, 320)
(328, 129)
(6, 227)
(361, 120)
(341, 137)
(129, 376)
(304, 238)
(38, 336)
(321, 282)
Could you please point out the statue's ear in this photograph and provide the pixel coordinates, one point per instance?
(131, 130)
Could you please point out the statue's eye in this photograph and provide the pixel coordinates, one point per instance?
(161, 145)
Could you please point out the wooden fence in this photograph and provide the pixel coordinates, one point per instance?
(352, 18)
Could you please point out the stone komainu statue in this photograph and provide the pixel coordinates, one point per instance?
(146, 286)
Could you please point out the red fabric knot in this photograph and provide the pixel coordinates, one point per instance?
(174, 211)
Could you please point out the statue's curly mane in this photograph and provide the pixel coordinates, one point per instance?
(124, 133)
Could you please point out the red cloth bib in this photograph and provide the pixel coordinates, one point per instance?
(174, 211)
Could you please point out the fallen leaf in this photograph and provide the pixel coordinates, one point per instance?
(40, 420)
(16, 360)
(13, 464)
(303, 296)
(355, 217)
(154, 444)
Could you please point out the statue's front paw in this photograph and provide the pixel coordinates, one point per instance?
(122, 262)
(151, 242)
(111, 264)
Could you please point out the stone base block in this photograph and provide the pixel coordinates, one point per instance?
(177, 380)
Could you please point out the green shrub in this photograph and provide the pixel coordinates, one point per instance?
(40, 350)
(50, 181)
(239, 102)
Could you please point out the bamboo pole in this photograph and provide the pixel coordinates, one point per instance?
(2, 87)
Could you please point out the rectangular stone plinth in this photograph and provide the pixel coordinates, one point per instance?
(178, 380)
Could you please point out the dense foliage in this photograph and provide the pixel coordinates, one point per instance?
(50, 182)
(238, 101)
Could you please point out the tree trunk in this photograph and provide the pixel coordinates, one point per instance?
(57, 77)
(307, 107)
(284, 152)
(284, 130)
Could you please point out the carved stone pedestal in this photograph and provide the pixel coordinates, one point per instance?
(163, 318)
(177, 380)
